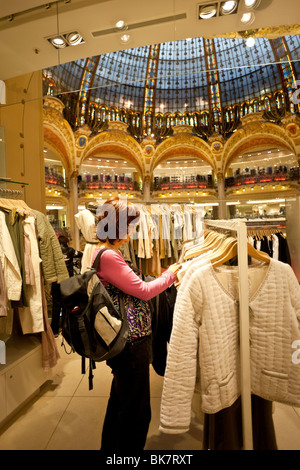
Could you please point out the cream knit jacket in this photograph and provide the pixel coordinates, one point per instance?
(206, 334)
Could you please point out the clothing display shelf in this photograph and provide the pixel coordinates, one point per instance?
(276, 223)
(239, 229)
(11, 193)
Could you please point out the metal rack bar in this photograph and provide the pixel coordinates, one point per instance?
(240, 230)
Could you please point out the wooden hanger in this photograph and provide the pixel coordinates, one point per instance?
(18, 204)
(212, 241)
(232, 251)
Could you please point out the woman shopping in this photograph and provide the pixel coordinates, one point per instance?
(128, 411)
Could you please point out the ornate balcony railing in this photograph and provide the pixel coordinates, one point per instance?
(276, 177)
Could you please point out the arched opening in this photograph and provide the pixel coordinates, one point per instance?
(56, 184)
(261, 179)
(107, 174)
(182, 172)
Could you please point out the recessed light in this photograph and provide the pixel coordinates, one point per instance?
(252, 3)
(208, 11)
(74, 38)
(248, 18)
(125, 38)
(58, 41)
(229, 7)
(66, 39)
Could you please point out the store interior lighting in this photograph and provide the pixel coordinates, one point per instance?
(250, 42)
(60, 41)
(248, 18)
(228, 7)
(251, 4)
(214, 9)
(208, 11)
(125, 38)
(121, 25)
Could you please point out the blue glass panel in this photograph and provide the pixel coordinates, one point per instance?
(181, 77)
(246, 72)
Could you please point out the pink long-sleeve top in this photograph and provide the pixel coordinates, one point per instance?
(114, 270)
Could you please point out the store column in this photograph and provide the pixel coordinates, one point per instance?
(146, 189)
(221, 197)
(73, 207)
(22, 120)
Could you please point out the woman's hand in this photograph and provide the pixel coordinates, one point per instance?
(175, 268)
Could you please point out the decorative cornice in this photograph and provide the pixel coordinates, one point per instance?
(271, 32)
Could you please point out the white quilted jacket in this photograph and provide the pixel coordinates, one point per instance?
(206, 333)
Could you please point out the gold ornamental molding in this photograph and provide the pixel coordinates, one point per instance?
(58, 133)
(117, 143)
(183, 144)
(256, 134)
(271, 32)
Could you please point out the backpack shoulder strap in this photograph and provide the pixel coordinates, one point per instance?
(97, 259)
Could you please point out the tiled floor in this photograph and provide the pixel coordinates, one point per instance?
(65, 415)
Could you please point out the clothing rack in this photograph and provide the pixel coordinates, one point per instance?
(267, 224)
(11, 193)
(240, 230)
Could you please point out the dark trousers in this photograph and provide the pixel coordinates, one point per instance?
(223, 430)
(56, 307)
(128, 411)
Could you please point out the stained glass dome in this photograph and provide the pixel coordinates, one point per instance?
(192, 75)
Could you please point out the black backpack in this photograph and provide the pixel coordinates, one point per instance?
(91, 324)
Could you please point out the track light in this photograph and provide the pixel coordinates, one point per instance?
(121, 25)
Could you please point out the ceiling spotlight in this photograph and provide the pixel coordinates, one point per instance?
(121, 25)
(229, 7)
(250, 42)
(58, 42)
(74, 38)
(251, 3)
(125, 38)
(248, 18)
(66, 39)
(208, 11)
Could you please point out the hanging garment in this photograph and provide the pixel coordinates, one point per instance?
(14, 224)
(50, 354)
(53, 263)
(162, 320)
(86, 222)
(31, 317)
(284, 252)
(275, 247)
(223, 430)
(29, 271)
(9, 262)
(206, 329)
(3, 294)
